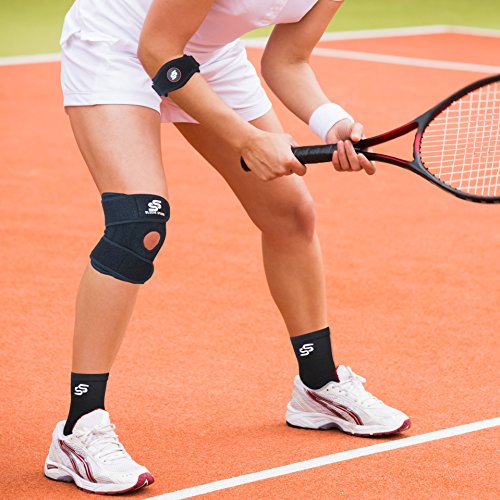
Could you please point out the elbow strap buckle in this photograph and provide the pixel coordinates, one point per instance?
(174, 74)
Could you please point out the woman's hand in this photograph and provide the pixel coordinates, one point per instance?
(345, 159)
(269, 155)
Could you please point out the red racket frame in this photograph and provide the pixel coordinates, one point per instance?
(324, 153)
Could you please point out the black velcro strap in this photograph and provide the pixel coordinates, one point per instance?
(115, 260)
(122, 209)
(174, 74)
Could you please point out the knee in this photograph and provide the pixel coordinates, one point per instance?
(304, 217)
(296, 219)
(135, 232)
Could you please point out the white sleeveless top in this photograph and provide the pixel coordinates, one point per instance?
(226, 21)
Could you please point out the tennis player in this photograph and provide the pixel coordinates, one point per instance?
(203, 83)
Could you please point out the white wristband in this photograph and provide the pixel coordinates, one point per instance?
(325, 117)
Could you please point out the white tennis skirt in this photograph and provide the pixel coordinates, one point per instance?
(98, 68)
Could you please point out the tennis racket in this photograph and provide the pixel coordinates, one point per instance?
(456, 145)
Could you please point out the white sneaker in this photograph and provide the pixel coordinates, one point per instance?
(93, 458)
(344, 405)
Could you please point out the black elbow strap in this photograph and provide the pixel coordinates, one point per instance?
(174, 74)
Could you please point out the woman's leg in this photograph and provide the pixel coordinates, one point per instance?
(121, 146)
(283, 211)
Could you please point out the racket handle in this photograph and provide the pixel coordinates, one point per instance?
(312, 154)
(315, 154)
(244, 166)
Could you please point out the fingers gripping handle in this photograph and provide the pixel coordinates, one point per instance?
(307, 154)
(312, 154)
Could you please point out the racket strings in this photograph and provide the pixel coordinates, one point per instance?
(461, 145)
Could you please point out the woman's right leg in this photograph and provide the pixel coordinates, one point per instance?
(121, 146)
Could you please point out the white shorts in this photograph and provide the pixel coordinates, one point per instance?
(101, 69)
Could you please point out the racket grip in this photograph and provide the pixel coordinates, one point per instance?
(315, 154)
(307, 154)
(244, 166)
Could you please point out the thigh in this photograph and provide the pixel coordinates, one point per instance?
(121, 146)
(264, 201)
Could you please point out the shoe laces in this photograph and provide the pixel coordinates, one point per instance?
(353, 386)
(104, 441)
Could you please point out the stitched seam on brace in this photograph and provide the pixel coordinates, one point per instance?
(131, 252)
(134, 221)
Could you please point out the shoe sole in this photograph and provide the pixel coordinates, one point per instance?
(321, 421)
(59, 473)
(334, 426)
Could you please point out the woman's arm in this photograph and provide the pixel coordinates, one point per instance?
(286, 69)
(168, 27)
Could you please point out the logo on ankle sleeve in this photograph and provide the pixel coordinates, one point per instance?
(81, 389)
(306, 349)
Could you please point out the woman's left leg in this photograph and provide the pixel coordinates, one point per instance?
(323, 397)
(283, 210)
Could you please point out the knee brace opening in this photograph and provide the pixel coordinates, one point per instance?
(135, 232)
(151, 240)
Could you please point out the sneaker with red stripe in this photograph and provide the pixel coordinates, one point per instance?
(93, 458)
(344, 405)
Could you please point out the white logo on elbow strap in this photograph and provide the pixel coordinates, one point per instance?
(174, 75)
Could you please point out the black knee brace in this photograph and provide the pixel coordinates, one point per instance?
(129, 218)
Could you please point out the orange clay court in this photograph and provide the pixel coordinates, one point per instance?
(414, 295)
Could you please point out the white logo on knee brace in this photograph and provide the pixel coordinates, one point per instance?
(154, 208)
(81, 389)
(306, 349)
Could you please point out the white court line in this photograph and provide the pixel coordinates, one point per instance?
(327, 460)
(405, 61)
(30, 59)
(437, 29)
(319, 51)
(259, 42)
